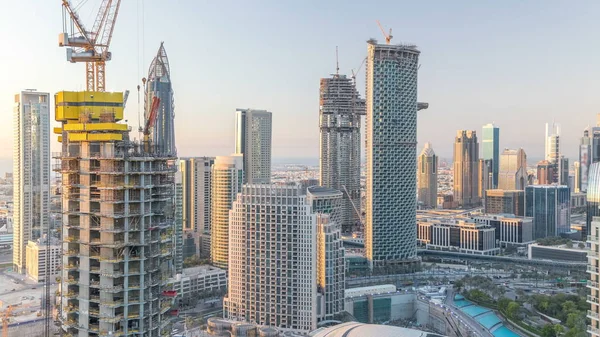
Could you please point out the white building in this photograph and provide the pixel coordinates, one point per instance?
(197, 281)
(253, 141)
(276, 258)
(31, 168)
(465, 236)
(594, 282)
(227, 178)
(39, 256)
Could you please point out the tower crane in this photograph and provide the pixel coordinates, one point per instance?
(388, 36)
(90, 46)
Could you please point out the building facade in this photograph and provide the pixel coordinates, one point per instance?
(427, 177)
(585, 160)
(485, 178)
(549, 206)
(576, 188)
(391, 131)
(505, 202)
(466, 162)
(340, 111)
(592, 197)
(510, 230)
(546, 173)
(118, 222)
(513, 170)
(594, 280)
(43, 260)
(198, 282)
(31, 170)
(196, 196)
(253, 141)
(491, 150)
(227, 179)
(465, 236)
(159, 85)
(552, 144)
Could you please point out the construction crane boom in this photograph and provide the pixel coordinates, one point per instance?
(92, 46)
(388, 36)
(152, 117)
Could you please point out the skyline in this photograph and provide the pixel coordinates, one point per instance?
(506, 71)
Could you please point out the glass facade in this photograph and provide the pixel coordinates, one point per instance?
(549, 206)
(593, 196)
(491, 149)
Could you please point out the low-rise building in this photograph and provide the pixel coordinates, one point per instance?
(505, 202)
(37, 259)
(510, 230)
(198, 282)
(465, 236)
(559, 252)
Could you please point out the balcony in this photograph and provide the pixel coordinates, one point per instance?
(593, 331)
(592, 299)
(593, 284)
(592, 315)
(94, 327)
(71, 266)
(111, 319)
(94, 312)
(71, 294)
(72, 309)
(72, 239)
(592, 269)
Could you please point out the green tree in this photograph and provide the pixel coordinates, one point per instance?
(558, 329)
(458, 285)
(513, 310)
(548, 331)
(503, 304)
(568, 307)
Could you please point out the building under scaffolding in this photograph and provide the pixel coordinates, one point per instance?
(159, 85)
(118, 222)
(339, 120)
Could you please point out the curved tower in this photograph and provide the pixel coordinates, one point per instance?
(159, 85)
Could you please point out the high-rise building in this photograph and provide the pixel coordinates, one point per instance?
(593, 283)
(180, 248)
(196, 208)
(466, 163)
(563, 171)
(505, 202)
(340, 110)
(595, 141)
(592, 197)
(552, 145)
(427, 177)
(118, 222)
(513, 170)
(31, 169)
(485, 177)
(576, 177)
(550, 208)
(546, 172)
(226, 182)
(284, 255)
(391, 161)
(490, 145)
(585, 160)
(159, 85)
(253, 141)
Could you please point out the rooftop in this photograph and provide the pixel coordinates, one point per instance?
(354, 329)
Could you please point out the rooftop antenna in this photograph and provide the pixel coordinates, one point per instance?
(337, 62)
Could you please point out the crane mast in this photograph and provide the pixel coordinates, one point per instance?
(90, 46)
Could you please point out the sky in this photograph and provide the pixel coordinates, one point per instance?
(518, 64)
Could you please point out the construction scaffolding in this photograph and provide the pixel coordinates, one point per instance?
(118, 218)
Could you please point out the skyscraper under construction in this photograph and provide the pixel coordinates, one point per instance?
(118, 216)
(340, 110)
(159, 85)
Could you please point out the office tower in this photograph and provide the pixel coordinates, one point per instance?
(505, 202)
(491, 149)
(485, 177)
(226, 182)
(31, 169)
(550, 208)
(427, 177)
(287, 259)
(340, 110)
(118, 222)
(585, 160)
(563, 171)
(546, 172)
(513, 170)
(253, 141)
(180, 248)
(552, 148)
(331, 276)
(391, 161)
(466, 162)
(595, 144)
(159, 85)
(593, 284)
(592, 196)
(196, 184)
(576, 177)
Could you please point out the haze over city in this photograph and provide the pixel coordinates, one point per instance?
(517, 64)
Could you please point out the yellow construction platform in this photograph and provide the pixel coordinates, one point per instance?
(71, 105)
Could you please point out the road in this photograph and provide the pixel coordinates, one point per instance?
(464, 318)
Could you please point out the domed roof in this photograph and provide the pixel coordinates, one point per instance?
(355, 329)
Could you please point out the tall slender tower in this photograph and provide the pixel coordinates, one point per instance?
(253, 141)
(118, 222)
(491, 150)
(427, 174)
(391, 131)
(31, 169)
(159, 85)
(227, 179)
(585, 160)
(466, 162)
(552, 143)
(340, 110)
(513, 170)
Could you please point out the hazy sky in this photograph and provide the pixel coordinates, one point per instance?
(515, 63)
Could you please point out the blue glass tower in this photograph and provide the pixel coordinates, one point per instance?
(550, 208)
(490, 144)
